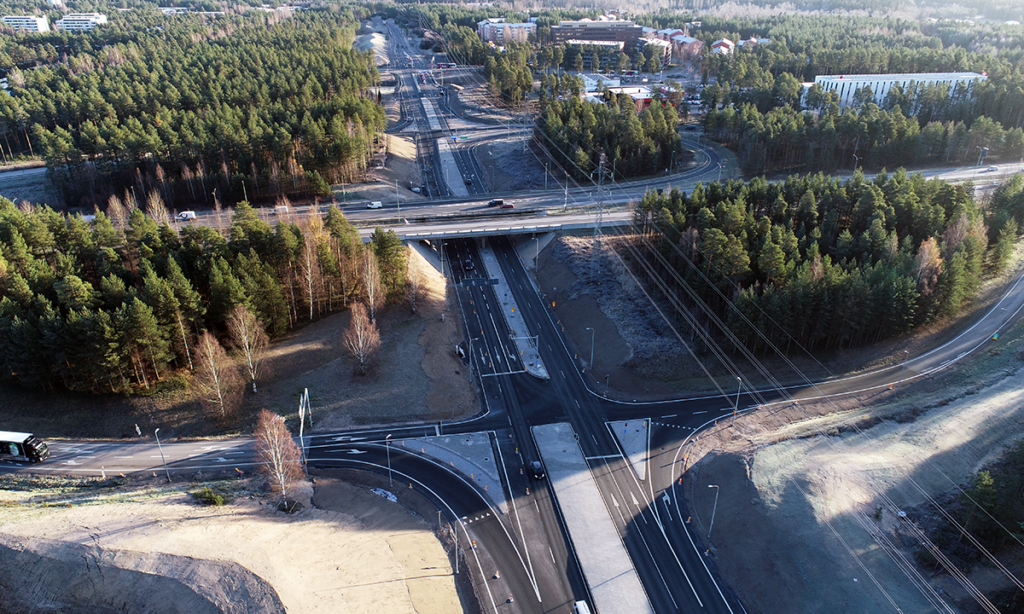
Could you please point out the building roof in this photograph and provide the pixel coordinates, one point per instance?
(576, 41)
(920, 76)
(723, 42)
(686, 40)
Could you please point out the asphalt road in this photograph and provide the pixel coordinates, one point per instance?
(529, 544)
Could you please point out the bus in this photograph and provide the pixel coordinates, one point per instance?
(443, 65)
(630, 73)
(22, 447)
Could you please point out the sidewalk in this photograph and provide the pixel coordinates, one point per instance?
(525, 341)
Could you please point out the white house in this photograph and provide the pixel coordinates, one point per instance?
(845, 86)
(81, 22)
(723, 46)
(27, 23)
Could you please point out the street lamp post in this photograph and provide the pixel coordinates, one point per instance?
(719, 172)
(856, 162)
(736, 407)
(906, 355)
(591, 364)
(536, 254)
(714, 509)
(162, 459)
(387, 447)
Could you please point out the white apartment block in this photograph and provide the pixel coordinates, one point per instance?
(500, 32)
(27, 23)
(845, 86)
(81, 22)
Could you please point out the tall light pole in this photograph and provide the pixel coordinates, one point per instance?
(719, 172)
(591, 348)
(856, 162)
(536, 255)
(736, 407)
(387, 447)
(714, 509)
(906, 355)
(162, 459)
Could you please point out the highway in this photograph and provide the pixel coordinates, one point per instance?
(529, 544)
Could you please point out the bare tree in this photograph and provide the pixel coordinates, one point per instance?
(361, 339)
(215, 374)
(117, 212)
(370, 274)
(309, 273)
(277, 455)
(248, 336)
(156, 209)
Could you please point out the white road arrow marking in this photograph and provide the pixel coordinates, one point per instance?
(637, 504)
(221, 459)
(347, 438)
(357, 451)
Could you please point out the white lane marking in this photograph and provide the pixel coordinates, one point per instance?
(552, 553)
(577, 403)
(699, 412)
(124, 457)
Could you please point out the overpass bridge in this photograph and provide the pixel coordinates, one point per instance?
(490, 225)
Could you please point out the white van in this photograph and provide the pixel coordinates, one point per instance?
(375, 205)
(280, 210)
(187, 215)
(581, 607)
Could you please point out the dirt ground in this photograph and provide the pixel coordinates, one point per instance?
(144, 547)
(644, 360)
(401, 166)
(806, 522)
(417, 376)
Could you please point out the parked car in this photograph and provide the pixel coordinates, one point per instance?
(375, 205)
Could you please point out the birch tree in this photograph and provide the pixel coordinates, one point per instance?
(278, 457)
(361, 339)
(370, 274)
(215, 373)
(248, 336)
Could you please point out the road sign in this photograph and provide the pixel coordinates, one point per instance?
(479, 281)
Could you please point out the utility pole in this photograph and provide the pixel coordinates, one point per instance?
(596, 247)
(714, 509)
(162, 459)
(397, 201)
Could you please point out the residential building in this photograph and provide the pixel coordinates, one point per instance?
(597, 53)
(846, 86)
(585, 30)
(664, 49)
(685, 47)
(723, 46)
(752, 42)
(81, 22)
(497, 30)
(27, 23)
(668, 33)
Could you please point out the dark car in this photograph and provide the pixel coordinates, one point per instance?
(496, 202)
(537, 470)
(468, 266)
(469, 181)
